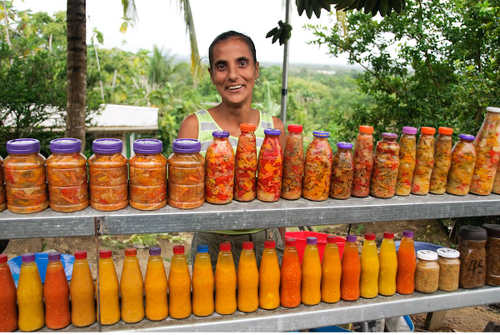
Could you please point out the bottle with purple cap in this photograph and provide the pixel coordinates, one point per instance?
(108, 175)
(30, 296)
(311, 273)
(386, 165)
(407, 159)
(219, 169)
(56, 294)
(463, 160)
(270, 167)
(425, 161)
(148, 175)
(155, 286)
(342, 172)
(351, 270)
(318, 168)
(67, 176)
(24, 170)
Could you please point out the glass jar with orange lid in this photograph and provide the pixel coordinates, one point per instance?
(363, 162)
(318, 168)
(425, 161)
(24, 170)
(342, 172)
(67, 176)
(463, 159)
(186, 174)
(270, 167)
(219, 169)
(148, 175)
(108, 175)
(245, 169)
(442, 161)
(2, 189)
(385, 168)
(293, 163)
(407, 158)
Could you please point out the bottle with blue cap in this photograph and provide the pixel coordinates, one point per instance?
(318, 168)
(270, 167)
(342, 172)
(219, 177)
(203, 283)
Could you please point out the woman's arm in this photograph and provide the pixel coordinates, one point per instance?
(189, 127)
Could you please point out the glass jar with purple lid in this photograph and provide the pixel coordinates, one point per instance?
(407, 159)
(386, 165)
(186, 174)
(270, 167)
(343, 171)
(148, 175)
(219, 169)
(318, 168)
(24, 170)
(463, 160)
(67, 176)
(108, 175)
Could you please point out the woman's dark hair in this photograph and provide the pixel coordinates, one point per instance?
(232, 34)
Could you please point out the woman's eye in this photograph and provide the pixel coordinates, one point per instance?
(243, 62)
(220, 66)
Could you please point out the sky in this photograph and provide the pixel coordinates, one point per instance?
(160, 23)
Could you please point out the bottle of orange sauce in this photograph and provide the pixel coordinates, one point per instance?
(179, 285)
(155, 286)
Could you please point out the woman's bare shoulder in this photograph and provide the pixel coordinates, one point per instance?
(189, 127)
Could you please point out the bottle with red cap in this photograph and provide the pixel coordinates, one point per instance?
(269, 277)
(245, 164)
(248, 279)
(82, 292)
(225, 281)
(425, 161)
(388, 265)
(56, 294)
(291, 275)
(131, 288)
(405, 280)
(442, 161)
(8, 308)
(109, 305)
(363, 162)
(369, 267)
(179, 285)
(155, 286)
(331, 271)
(351, 270)
(30, 296)
(311, 273)
(293, 163)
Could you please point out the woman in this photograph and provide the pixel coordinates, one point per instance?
(233, 70)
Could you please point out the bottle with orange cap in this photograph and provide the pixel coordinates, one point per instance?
(363, 162)
(179, 285)
(388, 265)
(225, 281)
(248, 279)
(425, 161)
(203, 283)
(245, 164)
(293, 163)
(369, 267)
(56, 294)
(132, 288)
(269, 277)
(8, 308)
(407, 160)
(442, 161)
(109, 305)
(291, 275)
(331, 271)
(311, 273)
(82, 292)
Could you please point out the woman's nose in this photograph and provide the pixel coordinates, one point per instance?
(232, 72)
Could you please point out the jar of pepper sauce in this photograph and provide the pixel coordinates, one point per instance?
(219, 177)
(293, 163)
(363, 162)
(407, 159)
(342, 172)
(270, 167)
(385, 169)
(246, 164)
(2, 188)
(318, 168)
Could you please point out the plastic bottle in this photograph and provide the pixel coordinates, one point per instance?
(108, 289)
(270, 167)
(219, 169)
(388, 265)
(405, 280)
(81, 289)
(30, 296)
(369, 267)
(331, 272)
(351, 270)
(155, 286)
(203, 283)
(293, 163)
(248, 279)
(291, 275)
(245, 164)
(225, 281)
(56, 294)
(179, 285)
(131, 288)
(269, 277)
(311, 274)
(8, 308)
(318, 168)
(363, 162)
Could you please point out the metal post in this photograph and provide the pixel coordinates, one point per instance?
(284, 80)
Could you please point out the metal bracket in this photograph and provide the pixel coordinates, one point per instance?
(99, 225)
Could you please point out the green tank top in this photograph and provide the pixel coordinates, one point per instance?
(206, 125)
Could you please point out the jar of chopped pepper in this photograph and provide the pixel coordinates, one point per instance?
(425, 161)
(442, 161)
(108, 175)
(246, 164)
(493, 254)
(385, 169)
(496, 182)
(186, 174)
(148, 175)
(342, 172)
(24, 170)
(219, 168)
(427, 272)
(293, 163)
(449, 269)
(487, 144)
(463, 159)
(472, 248)
(270, 167)
(363, 162)
(407, 158)
(318, 168)
(67, 176)
(2, 189)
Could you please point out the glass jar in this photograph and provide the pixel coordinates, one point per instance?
(148, 175)
(463, 159)
(442, 161)
(449, 269)
(342, 172)
(363, 162)
(219, 176)
(2, 189)
(385, 169)
(472, 248)
(493, 254)
(24, 170)
(67, 176)
(186, 174)
(108, 175)
(318, 168)
(425, 161)
(270, 167)
(487, 144)
(407, 158)
(293, 163)
(496, 182)
(246, 164)
(427, 272)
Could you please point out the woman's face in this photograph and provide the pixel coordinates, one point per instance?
(233, 71)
